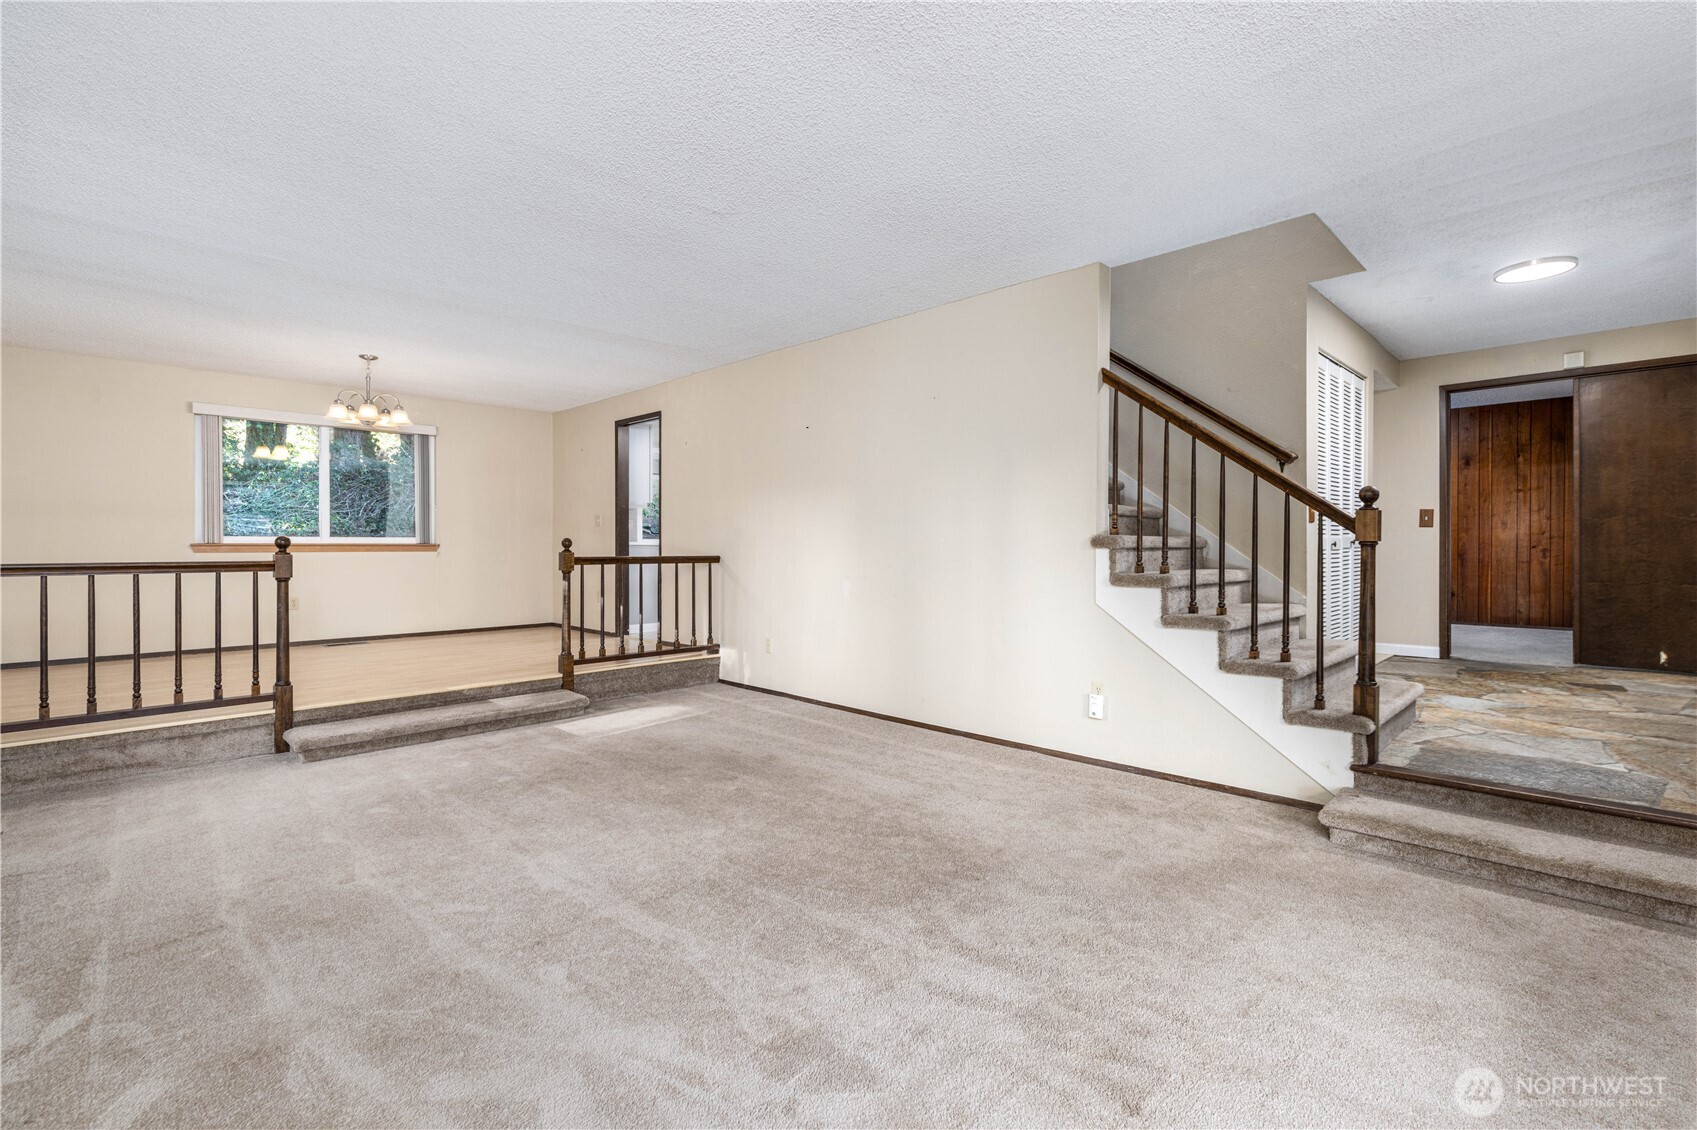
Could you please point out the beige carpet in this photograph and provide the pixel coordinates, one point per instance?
(712, 907)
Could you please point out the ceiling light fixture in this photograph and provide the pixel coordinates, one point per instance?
(1534, 269)
(380, 411)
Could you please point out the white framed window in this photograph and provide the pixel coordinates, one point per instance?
(260, 474)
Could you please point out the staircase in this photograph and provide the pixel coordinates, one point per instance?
(1169, 580)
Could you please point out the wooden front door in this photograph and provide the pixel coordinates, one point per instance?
(1511, 514)
(1638, 519)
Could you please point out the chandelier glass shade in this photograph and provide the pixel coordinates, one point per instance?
(380, 411)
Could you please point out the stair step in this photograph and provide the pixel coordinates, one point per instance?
(1237, 616)
(1150, 541)
(1651, 881)
(1395, 696)
(1153, 578)
(410, 727)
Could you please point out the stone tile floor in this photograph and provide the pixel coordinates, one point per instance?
(1587, 731)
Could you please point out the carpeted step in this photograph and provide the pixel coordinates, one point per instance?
(1640, 879)
(1396, 696)
(411, 727)
(1176, 585)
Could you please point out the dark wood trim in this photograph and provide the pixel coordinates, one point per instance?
(673, 559)
(319, 547)
(1305, 805)
(1444, 535)
(1280, 453)
(1537, 796)
(1561, 374)
(112, 568)
(1277, 479)
(79, 659)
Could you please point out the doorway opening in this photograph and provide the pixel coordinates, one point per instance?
(1509, 509)
(636, 519)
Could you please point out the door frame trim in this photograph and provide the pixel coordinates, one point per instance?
(621, 500)
(1444, 392)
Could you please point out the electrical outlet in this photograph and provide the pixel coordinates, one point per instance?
(1097, 707)
(598, 521)
(294, 604)
(1095, 688)
(768, 647)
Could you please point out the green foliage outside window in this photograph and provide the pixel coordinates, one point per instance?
(371, 482)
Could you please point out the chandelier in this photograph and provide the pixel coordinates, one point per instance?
(380, 411)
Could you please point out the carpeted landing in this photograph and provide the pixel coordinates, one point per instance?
(713, 907)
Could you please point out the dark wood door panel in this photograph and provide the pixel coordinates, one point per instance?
(1638, 519)
(1511, 514)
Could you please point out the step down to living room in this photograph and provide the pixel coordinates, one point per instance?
(410, 727)
(1636, 866)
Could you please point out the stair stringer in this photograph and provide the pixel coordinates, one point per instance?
(1323, 756)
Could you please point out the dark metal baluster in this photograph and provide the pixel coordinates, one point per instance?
(253, 688)
(93, 703)
(693, 619)
(1194, 539)
(135, 641)
(582, 621)
(1114, 448)
(1255, 566)
(601, 615)
(1166, 491)
(1220, 606)
(710, 604)
(1319, 618)
(1284, 623)
(42, 710)
(217, 635)
(1137, 527)
(177, 639)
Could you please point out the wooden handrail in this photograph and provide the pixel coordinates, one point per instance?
(1277, 479)
(108, 568)
(281, 696)
(630, 559)
(1282, 454)
(618, 630)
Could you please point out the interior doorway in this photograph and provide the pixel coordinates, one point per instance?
(636, 511)
(1511, 520)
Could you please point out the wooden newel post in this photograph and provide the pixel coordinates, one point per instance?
(568, 562)
(1368, 527)
(283, 693)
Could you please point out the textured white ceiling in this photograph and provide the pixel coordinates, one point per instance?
(543, 205)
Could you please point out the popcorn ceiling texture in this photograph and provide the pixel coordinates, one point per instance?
(544, 205)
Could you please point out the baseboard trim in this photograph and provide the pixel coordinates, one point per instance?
(1412, 650)
(1288, 802)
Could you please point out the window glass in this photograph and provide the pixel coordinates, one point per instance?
(373, 491)
(270, 479)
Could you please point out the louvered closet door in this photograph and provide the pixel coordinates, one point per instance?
(1340, 465)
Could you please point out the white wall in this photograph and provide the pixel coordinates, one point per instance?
(905, 512)
(1228, 321)
(97, 463)
(1408, 457)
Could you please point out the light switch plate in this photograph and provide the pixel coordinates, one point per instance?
(1427, 517)
(1097, 708)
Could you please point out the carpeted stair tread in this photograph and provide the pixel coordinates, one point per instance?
(1637, 869)
(1237, 615)
(410, 727)
(1153, 579)
(1150, 541)
(1395, 696)
(1301, 662)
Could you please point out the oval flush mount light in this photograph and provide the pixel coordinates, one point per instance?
(1534, 269)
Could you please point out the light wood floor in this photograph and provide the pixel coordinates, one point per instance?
(323, 675)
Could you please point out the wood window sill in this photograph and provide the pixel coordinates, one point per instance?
(313, 547)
